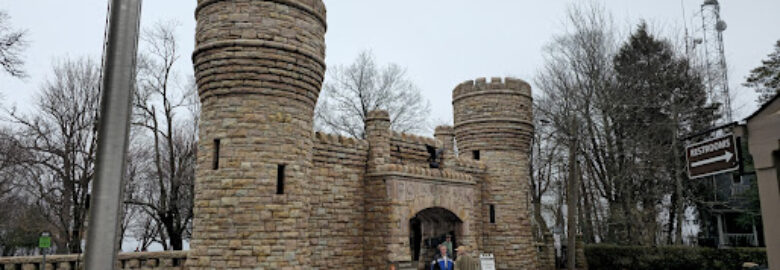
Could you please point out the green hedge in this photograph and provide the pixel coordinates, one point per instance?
(670, 257)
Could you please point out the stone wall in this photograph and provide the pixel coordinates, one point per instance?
(376, 229)
(396, 193)
(167, 260)
(259, 67)
(509, 238)
(494, 119)
(336, 223)
(546, 252)
(413, 193)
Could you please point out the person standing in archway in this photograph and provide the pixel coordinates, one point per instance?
(442, 260)
(448, 244)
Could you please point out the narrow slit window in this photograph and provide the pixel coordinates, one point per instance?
(475, 153)
(280, 179)
(492, 214)
(215, 162)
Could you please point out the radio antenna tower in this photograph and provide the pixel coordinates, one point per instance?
(716, 73)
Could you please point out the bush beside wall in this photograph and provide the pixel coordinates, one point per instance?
(670, 257)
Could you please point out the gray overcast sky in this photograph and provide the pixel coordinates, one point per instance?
(441, 42)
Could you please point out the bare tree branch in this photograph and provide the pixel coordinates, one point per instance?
(352, 91)
(12, 44)
(166, 114)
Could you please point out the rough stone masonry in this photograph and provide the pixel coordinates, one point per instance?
(273, 194)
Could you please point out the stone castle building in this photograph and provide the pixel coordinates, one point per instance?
(273, 194)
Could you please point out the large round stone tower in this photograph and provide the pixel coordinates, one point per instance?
(493, 124)
(259, 67)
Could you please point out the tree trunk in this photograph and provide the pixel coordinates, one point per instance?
(672, 217)
(571, 203)
(585, 215)
(677, 184)
(539, 219)
(176, 241)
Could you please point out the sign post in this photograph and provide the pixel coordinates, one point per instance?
(711, 157)
(487, 261)
(44, 243)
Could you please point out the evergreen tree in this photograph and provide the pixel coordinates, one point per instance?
(664, 99)
(765, 79)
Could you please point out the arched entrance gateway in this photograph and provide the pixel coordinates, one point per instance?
(428, 228)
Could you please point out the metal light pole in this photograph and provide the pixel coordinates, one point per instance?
(114, 128)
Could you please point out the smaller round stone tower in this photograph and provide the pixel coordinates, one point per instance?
(259, 66)
(493, 123)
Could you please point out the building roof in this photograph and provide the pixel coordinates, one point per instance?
(763, 107)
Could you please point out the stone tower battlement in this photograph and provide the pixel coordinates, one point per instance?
(496, 83)
(261, 47)
(493, 115)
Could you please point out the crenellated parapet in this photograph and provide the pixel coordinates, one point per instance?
(338, 140)
(407, 154)
(337, 149)
(272, 48)
(414, 139)
(420, 173)
(482, 86)
(493, 115)
(314, 7)
(410, 149)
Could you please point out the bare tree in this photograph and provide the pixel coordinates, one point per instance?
(350, 92)
(166, 113)
(12, 44)
(137, 165)
(544, 170)
(577, 83)
(61, 139)
(10, 155)
(146, 230)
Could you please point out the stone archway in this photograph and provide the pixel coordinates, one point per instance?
(428, 228)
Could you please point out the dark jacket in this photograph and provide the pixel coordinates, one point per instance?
(440, 263)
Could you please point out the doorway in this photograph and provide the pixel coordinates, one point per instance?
(429, 228)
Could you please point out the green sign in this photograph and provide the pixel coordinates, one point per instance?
(44, 242)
